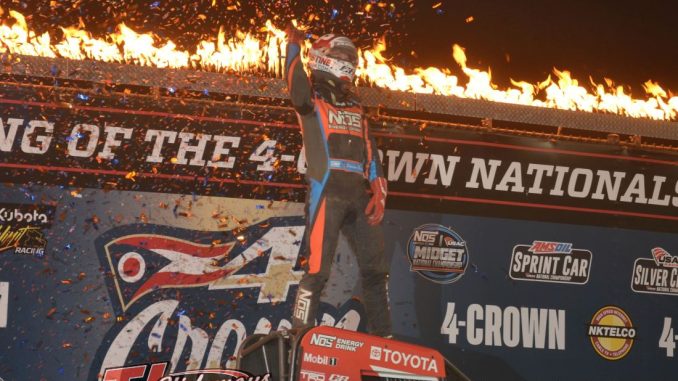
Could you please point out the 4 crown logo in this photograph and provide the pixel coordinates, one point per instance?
(656, 275)
(193, 296)
(546, 261)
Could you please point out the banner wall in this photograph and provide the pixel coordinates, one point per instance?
(139, 230)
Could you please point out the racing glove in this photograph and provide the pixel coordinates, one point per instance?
(375, 208)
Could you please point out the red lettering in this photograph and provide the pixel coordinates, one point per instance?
(125, 373)
(157, 371)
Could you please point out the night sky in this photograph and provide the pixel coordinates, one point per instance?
(627, 41)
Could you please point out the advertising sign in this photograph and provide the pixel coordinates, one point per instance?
(152, 235)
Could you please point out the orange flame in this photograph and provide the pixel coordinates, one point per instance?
(252, 53)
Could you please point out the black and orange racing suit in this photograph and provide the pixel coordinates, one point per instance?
(342, 159)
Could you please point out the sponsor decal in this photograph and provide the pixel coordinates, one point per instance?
(321, 340)
(437, 253)
(319, 359)
(340, 343)
(157, 372)
(656, 275)
(307, 375)
(555, 262)
(375, 353)
(338, 377)
(21, 228)
(191, 297)
(510, 326)
(344, 120)
(398, 358)
(301, 308)
(612, 333)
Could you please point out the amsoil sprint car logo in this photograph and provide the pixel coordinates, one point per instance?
(545, 261)
(437, 253)
(611, 332)
(191, 297)
(656, 275)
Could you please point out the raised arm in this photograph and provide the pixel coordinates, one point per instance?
(298, 83)
(375, 175)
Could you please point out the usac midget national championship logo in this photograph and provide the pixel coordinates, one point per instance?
(611, 332)
(437, 253)
(656, 275)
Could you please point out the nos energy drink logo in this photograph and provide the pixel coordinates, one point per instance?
(437, 253)
(190, 297)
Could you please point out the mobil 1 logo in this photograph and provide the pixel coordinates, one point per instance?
(546, 261)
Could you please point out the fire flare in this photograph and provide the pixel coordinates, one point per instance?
(263, 53)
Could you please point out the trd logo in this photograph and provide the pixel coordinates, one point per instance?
(307, 375)
(424, 236)
(323, 340)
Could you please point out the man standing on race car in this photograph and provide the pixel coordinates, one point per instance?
(343, 167)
